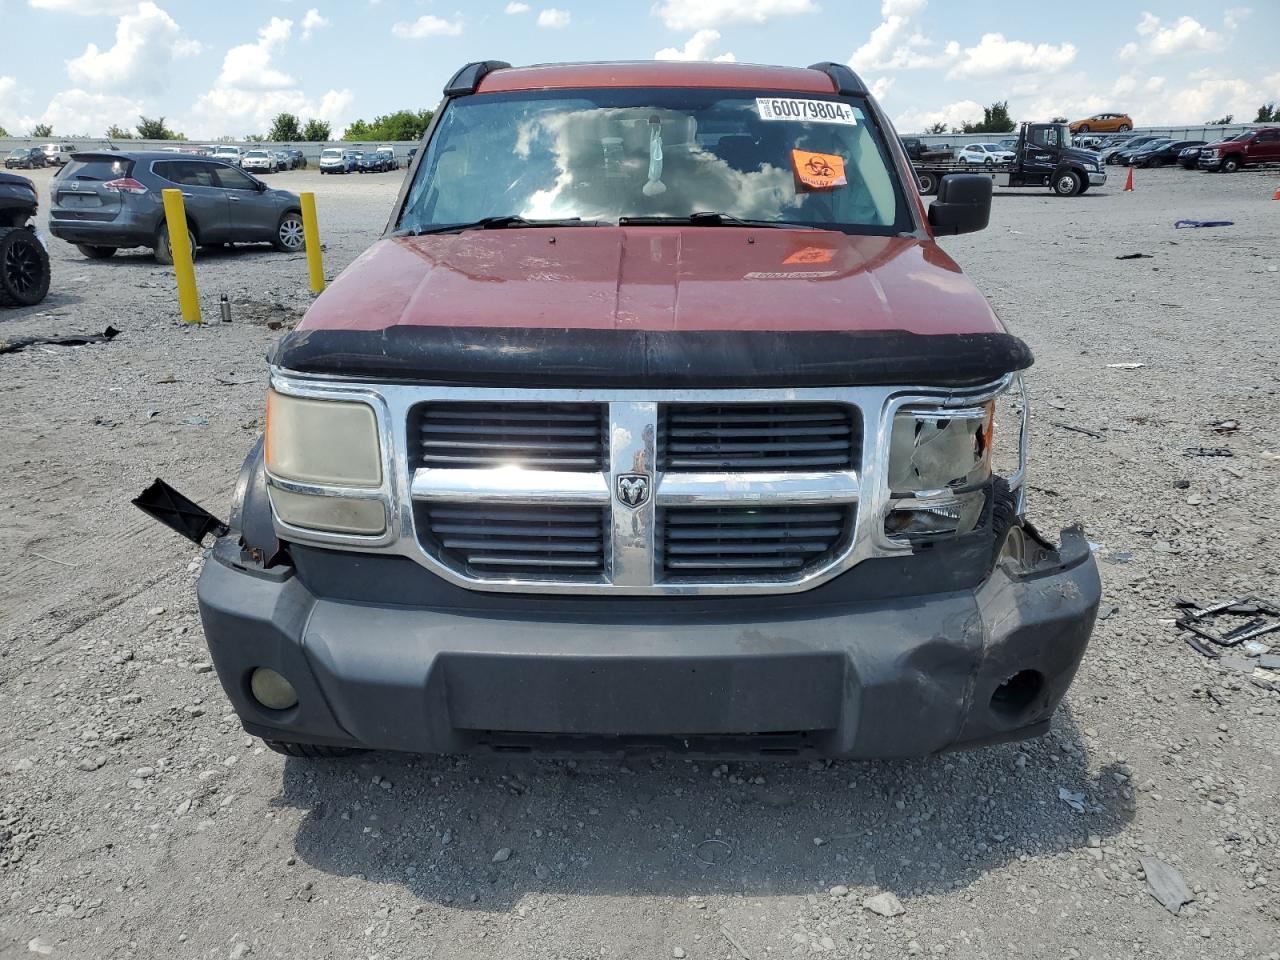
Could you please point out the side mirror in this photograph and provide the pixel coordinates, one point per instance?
(259, 186)
(963, 204)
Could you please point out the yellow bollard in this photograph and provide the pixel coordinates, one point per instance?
(175, 215)
(311, 231)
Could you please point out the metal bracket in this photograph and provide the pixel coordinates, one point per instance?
(161, 502)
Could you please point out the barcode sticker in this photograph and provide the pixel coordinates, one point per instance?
(806, 111)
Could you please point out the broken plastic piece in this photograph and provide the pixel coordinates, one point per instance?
(1166, 884)
(161, 502)
(1266, 619)
(74, 340)
(1179, 224)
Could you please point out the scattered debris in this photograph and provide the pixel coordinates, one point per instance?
(1125, 366)
(1075, 429)
(1179, 224)
(884, 904)
(1182, 484)
(1208, 452)
(1118, 556)
(1226, 426)
(1135, 256)
(1166, 884)
(1197, 620)
(1073, 800)
(74, 340)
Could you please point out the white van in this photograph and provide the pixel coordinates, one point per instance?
(230, 154)
(58, 154)
(390, 151)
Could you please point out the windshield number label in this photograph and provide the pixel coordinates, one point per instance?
(806, 111)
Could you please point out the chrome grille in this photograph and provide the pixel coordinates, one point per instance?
(518, 540)
(761, 541)
(559, 436)
(749, 436)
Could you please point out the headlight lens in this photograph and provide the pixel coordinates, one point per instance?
(332, 443)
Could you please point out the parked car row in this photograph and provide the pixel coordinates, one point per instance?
(1251, 148)
(339, 160)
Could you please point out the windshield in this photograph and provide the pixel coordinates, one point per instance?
(332, 154)
(602, 155)
(258, 154)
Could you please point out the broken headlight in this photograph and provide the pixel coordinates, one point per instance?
(324, 463)
(939, 467)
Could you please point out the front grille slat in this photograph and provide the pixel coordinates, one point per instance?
(545, 436)
(769, 541)
(754, 436)
(517, 540)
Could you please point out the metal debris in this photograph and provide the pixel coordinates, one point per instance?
(1200, 622)
(1166, 884)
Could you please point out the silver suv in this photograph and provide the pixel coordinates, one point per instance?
(104, 201)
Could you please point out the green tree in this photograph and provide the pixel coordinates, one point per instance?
(401, 125)
(1268, 113)
(1222, 121)
(3, 132)
(117, 132)
(155, 129)
(995, 119)
(254, 138)
(316, 131)
(285, 129)
(42, 130)
(939, 127)
(1057, 120)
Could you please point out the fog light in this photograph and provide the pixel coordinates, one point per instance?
(272, 690)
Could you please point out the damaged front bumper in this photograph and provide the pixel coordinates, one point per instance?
(863, 676)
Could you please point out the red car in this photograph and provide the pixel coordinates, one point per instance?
(1246, 150)
(656, 417)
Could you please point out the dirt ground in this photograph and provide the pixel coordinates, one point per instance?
(138, 820)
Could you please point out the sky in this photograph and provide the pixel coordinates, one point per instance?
(214, 69)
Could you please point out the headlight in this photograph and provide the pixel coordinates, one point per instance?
(329, 444)
(939, 464)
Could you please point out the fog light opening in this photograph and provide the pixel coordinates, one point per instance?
(1017, 694)
(272, 690)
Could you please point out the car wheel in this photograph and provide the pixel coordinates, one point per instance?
(24, 268)
(94, 252)
(1083, 129)
(164, 250)
(1230, 165)
(928, 183)
(290, 236)
(1066, 183)
(310, 751)
(988, 163)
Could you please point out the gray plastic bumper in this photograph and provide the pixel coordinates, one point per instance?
(898, 678)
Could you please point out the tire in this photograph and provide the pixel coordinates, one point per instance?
(927, 183)
(94, 252)
(1123, 128)
(989, 163)
(1067, 183)
(1083, 129)
(310, 751)
(163, 252)
(24, 268)
(289, 236)
(1230, 165)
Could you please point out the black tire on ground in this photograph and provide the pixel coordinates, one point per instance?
(289, 237)
(1067, 183)
(95, 252)
(1230, 165)
(1084, 188)
(928, 183)
(24, 268)
(310, 751)
(163, 252)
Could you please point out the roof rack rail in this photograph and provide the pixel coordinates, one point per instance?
(466, 80)
(847, 82)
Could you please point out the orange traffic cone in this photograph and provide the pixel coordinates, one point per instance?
(1128, 181)
(1277, 196)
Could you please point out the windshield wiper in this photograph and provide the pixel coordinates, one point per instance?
(705, 218)
(505, 222)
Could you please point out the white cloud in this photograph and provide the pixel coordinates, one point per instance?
(517, 8)
(1184, 35)
(147, 42)
(249, 65)
(701, 14)
(312, 22)
(953, 115)
(553, 19)
(897, 44)
(880, 86)
(1232, 16)
(996, 56)
(1154, 100)
(78, 112)
(697, 47)
(428, 26)
(85, 7)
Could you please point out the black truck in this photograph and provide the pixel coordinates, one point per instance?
(1043, 157)
(24, 263)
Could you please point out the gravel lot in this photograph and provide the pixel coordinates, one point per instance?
(137, 820)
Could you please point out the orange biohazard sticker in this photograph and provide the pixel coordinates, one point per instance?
(818, 171)
(811, 255)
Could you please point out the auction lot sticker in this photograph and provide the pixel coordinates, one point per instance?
(808, 111)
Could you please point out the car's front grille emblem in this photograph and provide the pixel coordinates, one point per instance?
(633, 489)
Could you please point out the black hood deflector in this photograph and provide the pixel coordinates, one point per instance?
(636, 359)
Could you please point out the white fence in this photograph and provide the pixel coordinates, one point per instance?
(1207, 131)
(310, 150)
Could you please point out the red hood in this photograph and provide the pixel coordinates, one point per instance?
(655, 279)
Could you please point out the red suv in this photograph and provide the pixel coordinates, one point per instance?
(656, 417)
(1247, 150)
